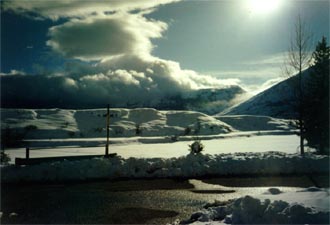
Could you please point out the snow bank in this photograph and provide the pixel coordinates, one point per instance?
(188, 166)
(255, 210)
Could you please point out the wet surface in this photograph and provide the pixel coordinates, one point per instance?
(287, 181)
(129, 202)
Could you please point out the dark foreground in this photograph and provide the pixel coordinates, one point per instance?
(158, 201)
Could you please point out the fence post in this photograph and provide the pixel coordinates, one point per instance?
(27, 152)
(108, 131)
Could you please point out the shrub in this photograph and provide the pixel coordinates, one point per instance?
(11, 137)
(196, 147)
(187, 131)
(98, 130)
(4, 158)
(197, 127)
(138, 129)
(174, 138)
(71, 134)
(30, 127)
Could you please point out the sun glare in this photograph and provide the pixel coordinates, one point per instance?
(263, 6)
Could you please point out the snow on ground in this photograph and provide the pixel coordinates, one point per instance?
(90, 123)
(256, 123)
(307, 206)
(134, 148)
(60, 123)
(266, 163)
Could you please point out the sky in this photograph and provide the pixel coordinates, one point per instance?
(128, 47)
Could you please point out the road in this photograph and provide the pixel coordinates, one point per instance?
(130, 201)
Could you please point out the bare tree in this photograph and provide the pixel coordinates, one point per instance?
(298, 58)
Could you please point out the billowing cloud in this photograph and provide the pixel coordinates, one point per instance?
(101, 37)
(143, 82)
(115, 49)
(55, 9)
(166, 75)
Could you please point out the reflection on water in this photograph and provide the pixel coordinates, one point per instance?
(285, 181)
(143, 215)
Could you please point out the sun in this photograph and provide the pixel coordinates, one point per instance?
(263, 6)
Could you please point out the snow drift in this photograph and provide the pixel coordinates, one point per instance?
(269, 163)
(253, 210)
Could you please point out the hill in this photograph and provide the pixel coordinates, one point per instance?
(277, 101)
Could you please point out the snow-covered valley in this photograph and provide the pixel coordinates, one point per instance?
(152, 144)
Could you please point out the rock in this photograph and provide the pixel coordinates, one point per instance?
(274, 191)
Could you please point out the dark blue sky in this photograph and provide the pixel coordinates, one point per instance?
(23, 44)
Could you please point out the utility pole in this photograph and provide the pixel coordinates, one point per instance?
(108, 131)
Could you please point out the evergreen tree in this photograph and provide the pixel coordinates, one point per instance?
(317, 101)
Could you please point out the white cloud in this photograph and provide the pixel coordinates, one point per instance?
(143, 82)
(149, 77)
(101, 37)
(271, 60)
(13, 72)
(256, 75)
(270, 83)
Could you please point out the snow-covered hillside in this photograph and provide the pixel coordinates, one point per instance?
(256, 123)
(277, 101)
(59, 123)
(18, 124)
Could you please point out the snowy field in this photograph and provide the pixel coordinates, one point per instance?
(136, 149)
(141, 133)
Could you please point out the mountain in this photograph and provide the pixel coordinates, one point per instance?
(277, 101)
(209, 101)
